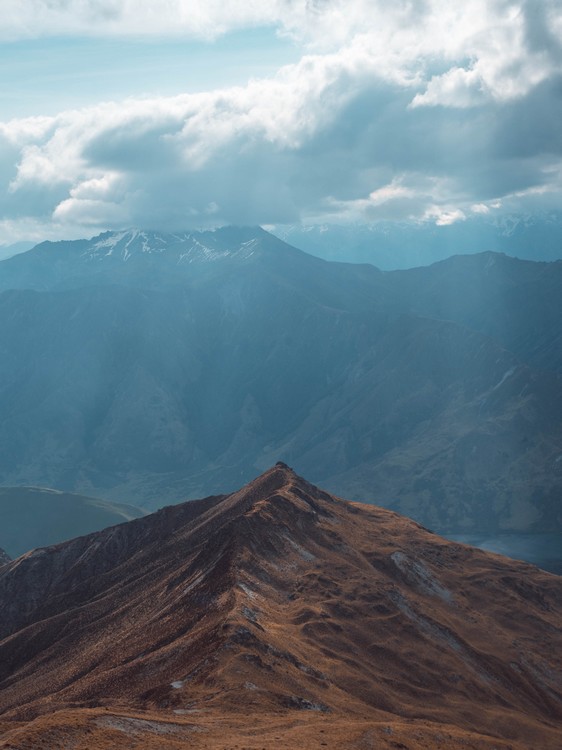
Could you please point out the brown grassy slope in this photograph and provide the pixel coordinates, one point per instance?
(281, 600)
(96, 729)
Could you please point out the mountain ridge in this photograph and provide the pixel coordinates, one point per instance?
(282, 598)
(72, 263)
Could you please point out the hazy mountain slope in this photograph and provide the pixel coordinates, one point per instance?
(278, 599)
(150, 396)
(516, 302)
(442, 425)
(4, 557)
(218, 353)
(7, 251)
(104, 383)
(33, 517)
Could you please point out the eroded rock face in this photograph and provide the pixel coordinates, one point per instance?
(282, 597)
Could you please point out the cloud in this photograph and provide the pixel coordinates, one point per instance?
(192, 18)
(419, 110)
(457, 87)
(444, 216)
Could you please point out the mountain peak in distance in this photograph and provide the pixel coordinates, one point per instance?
(138, 257)
(183, 247)
(286, 604)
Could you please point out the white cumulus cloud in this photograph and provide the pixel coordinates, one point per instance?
(417, 109)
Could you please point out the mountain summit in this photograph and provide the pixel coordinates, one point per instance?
(286, 603)
(138, 258)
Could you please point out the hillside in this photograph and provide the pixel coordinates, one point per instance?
(516, 302)
(284, 604)
(152, 368)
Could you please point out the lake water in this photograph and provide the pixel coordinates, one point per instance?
(543, 550)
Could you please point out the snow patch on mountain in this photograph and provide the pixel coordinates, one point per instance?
(180, 248)
(108, 243)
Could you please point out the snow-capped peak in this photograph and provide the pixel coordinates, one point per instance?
(124, 244)
(185, 247)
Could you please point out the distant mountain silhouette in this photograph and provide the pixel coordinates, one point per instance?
(276, 601)
(33, 517)
(391, 244)
(149, 368)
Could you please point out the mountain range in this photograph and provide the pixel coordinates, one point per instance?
(277, 616)
(391, 245)
(147, 367)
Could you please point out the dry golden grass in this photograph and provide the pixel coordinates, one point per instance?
(104, 730)
(280, 617)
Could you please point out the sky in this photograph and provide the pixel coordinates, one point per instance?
(185, 114)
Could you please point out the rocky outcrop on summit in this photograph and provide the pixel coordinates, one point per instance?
(283, 598)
